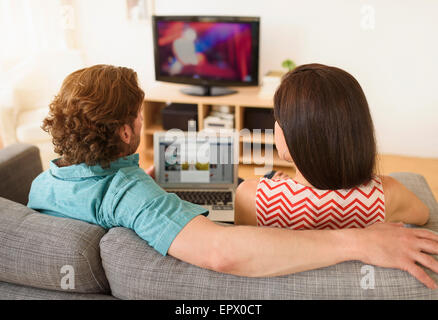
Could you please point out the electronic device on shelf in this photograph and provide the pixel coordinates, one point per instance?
(178, 115)
(216, 124)
(219, 119)
(200, 168)
(210, 52)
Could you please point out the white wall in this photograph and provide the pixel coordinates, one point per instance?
(396, 62)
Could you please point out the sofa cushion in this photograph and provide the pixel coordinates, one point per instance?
(35, 247)
(136, 271)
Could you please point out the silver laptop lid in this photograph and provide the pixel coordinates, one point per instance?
(195, 160)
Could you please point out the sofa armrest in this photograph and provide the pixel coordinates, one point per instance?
(20, 164)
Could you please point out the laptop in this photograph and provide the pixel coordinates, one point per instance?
(200, 168)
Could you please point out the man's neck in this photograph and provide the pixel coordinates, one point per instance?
(62, 163)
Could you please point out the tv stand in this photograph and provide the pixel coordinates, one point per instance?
(160, 94)
(207, 91)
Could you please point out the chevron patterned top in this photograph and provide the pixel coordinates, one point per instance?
(288, 204)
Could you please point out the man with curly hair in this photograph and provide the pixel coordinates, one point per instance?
(95, 122)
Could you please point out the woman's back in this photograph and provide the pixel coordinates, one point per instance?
(323, 125)
(289, 204)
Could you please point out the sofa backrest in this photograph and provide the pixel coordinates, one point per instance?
(137, 271)
(48, 252)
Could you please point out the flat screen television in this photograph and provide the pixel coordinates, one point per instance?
(209, 52)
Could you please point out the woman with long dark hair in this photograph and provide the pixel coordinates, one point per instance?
(323, 124)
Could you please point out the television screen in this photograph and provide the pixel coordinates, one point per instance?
(207, 51)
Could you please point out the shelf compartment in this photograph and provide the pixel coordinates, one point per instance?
(265, 138)
(153, 128)
(248, 156)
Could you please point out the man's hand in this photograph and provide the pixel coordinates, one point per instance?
(390, 245)
(151, 171)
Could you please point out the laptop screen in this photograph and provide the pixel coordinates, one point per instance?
(197, 160)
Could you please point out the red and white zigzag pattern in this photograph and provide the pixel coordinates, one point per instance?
(288, 204)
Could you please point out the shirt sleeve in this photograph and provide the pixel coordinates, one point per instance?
(155, 215)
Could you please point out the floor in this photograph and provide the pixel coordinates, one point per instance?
(428, 167)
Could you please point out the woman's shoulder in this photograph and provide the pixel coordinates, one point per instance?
(247, 189)
(245, 206)
(389, 184)
(401, 204)
(391, 188)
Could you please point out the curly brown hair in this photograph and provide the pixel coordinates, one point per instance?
(85, 116)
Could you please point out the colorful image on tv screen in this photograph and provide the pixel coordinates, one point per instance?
(205, 50)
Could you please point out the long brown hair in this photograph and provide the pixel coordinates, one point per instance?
(327, 125)
(85, 116)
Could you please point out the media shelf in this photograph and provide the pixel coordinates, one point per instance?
(159, 95)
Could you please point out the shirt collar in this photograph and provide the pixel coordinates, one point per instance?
(83, 171)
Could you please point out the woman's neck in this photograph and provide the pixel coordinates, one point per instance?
(300, 179)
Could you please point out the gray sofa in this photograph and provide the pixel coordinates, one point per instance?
(117, 264)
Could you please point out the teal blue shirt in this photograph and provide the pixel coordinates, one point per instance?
(122, 195)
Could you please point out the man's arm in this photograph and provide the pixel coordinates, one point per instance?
(260, 251)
